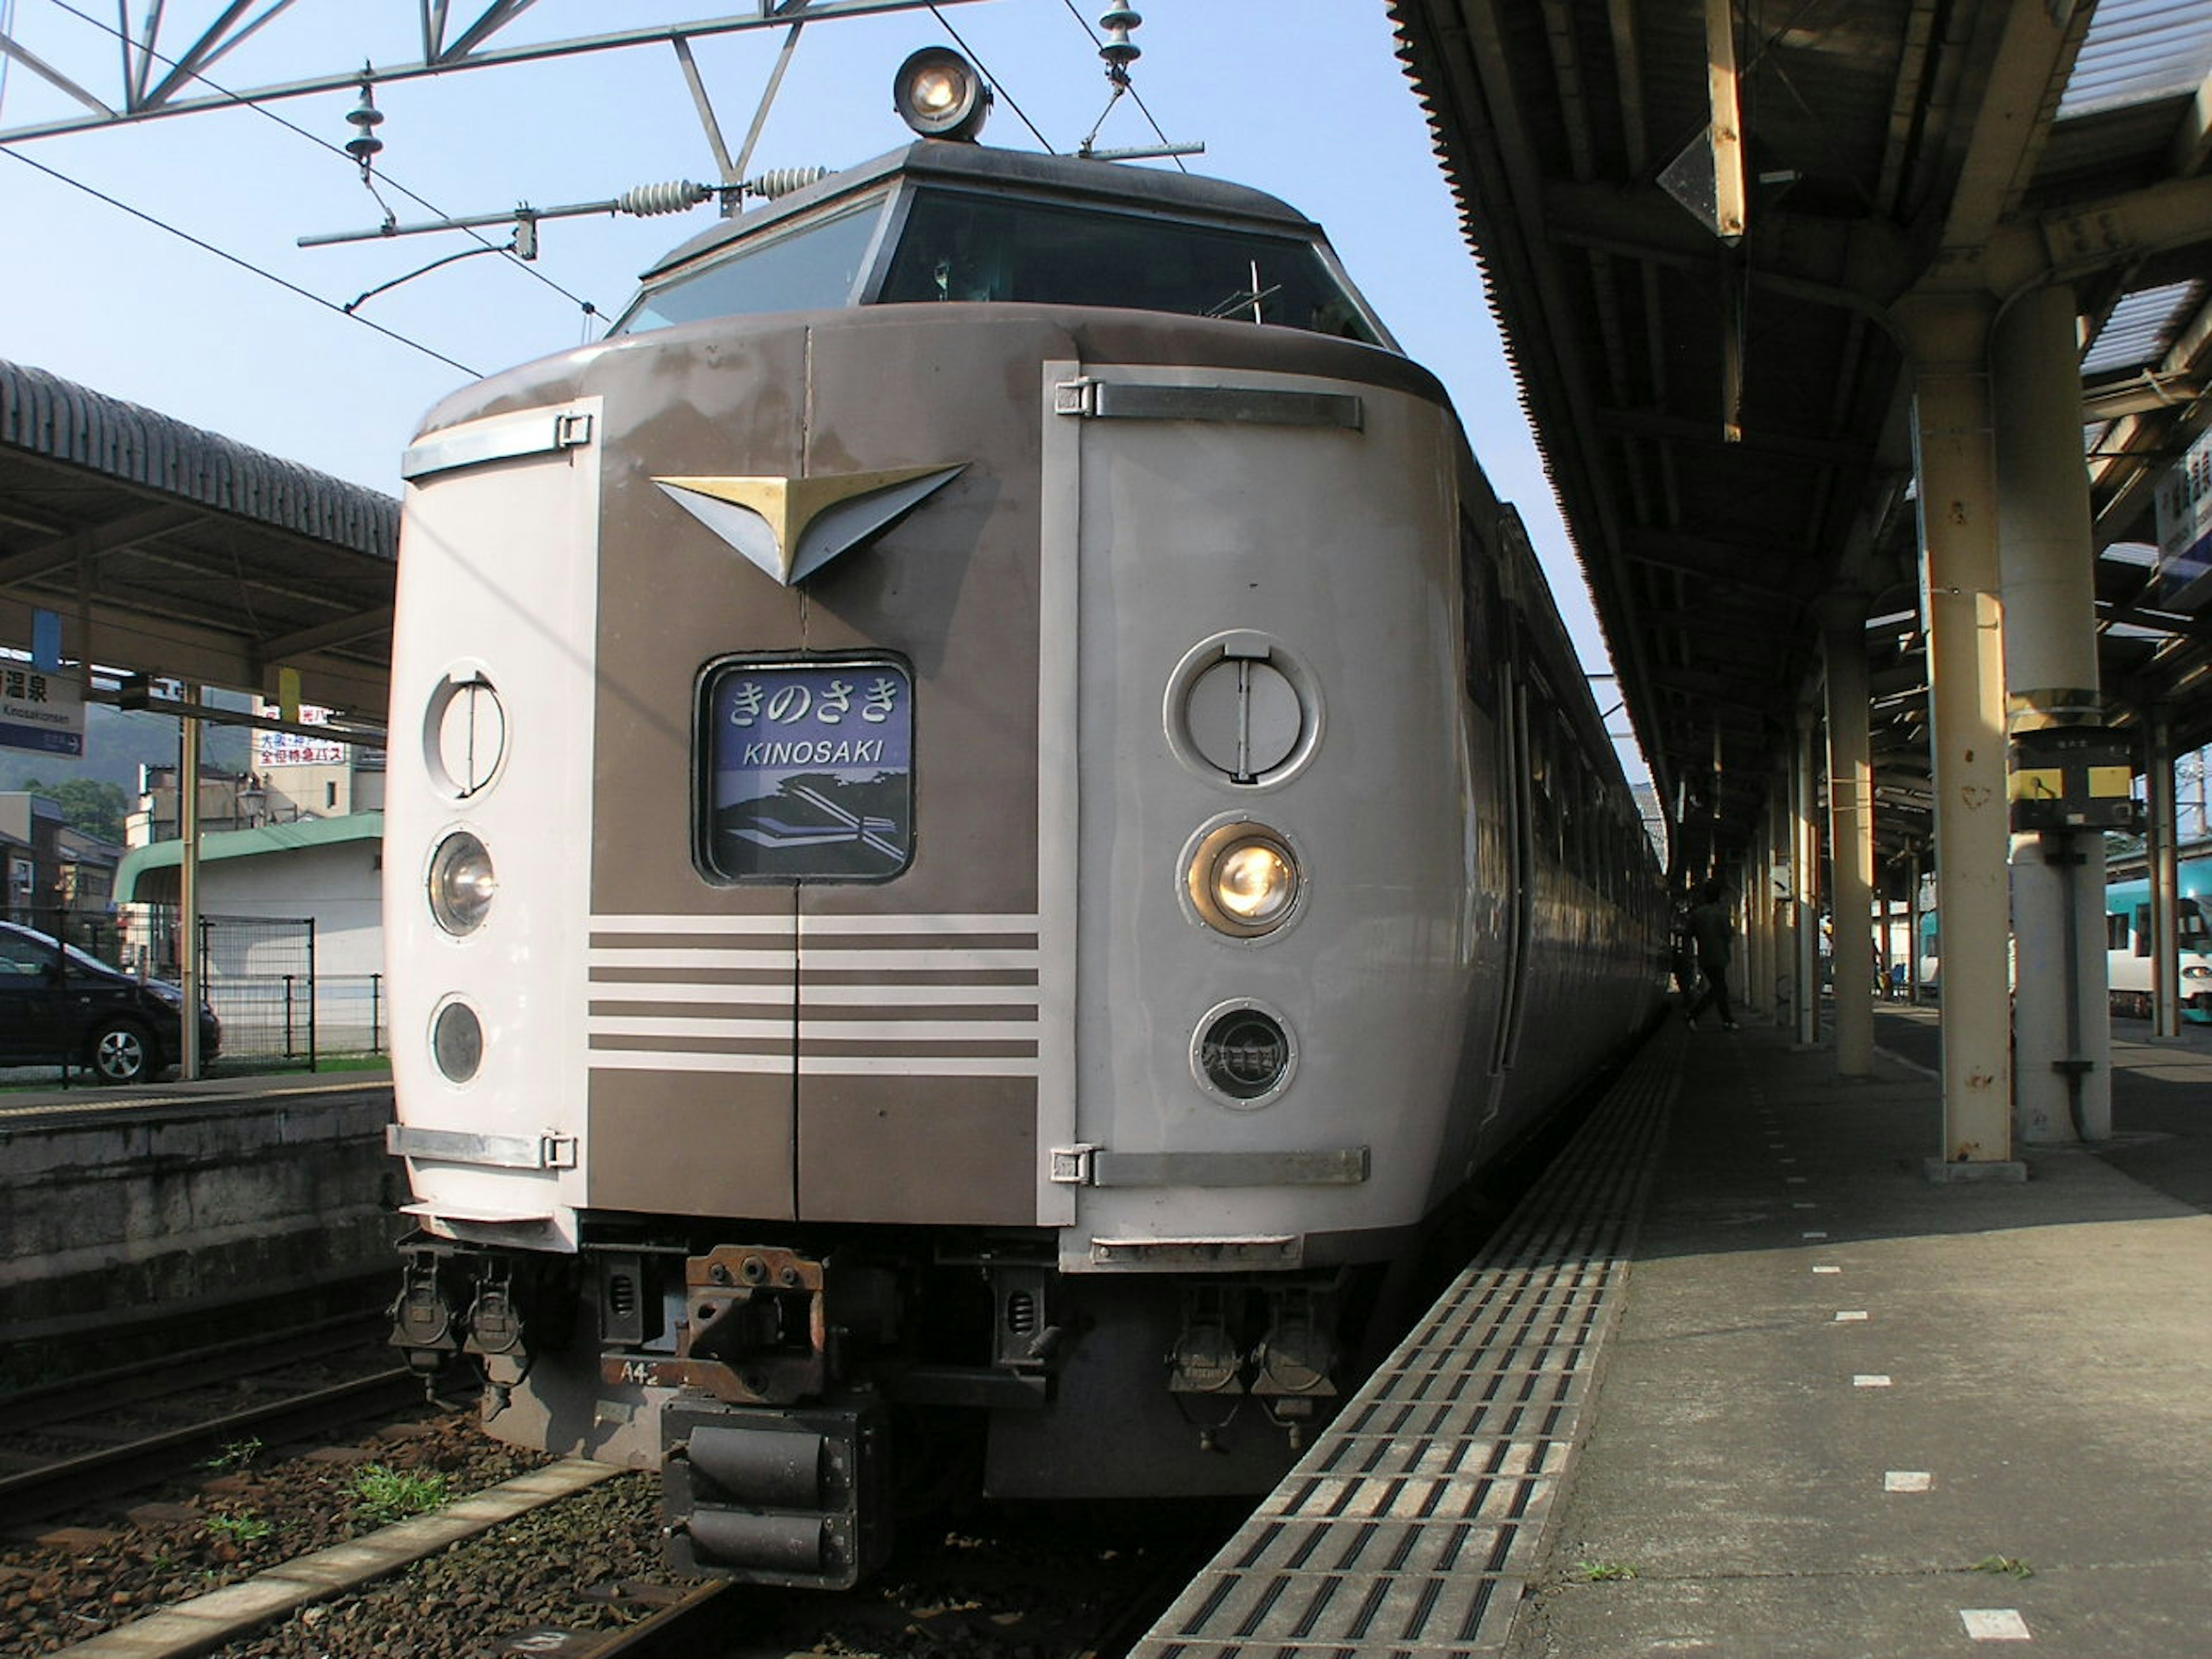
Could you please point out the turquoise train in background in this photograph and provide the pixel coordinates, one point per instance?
(2128, 935)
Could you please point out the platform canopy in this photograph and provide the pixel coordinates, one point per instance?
(172, 552)
(1704, 329)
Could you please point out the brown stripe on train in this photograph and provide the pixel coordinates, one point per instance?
(774, 1047)
(602, 974)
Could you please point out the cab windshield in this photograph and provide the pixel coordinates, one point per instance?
(957, 246)
(811, 267)
(960, 246)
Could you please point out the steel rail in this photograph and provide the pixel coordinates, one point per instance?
(34, 1494)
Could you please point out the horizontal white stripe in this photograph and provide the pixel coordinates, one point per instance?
(892, 996)
(919, 924)
(642, 1059)
(610, 956)
(647, 1060)
(945, 961)
(918, 1031)
(665, 990)
(679, 1026)
(783, 926)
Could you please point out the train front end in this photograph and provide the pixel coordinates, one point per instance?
(931, 858)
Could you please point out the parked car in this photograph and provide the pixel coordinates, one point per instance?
(60, 1003)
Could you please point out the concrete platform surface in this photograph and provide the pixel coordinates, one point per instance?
(1850, 1414)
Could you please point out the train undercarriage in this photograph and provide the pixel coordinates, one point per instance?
(797, 1396)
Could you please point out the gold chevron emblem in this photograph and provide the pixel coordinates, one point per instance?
(791, 527)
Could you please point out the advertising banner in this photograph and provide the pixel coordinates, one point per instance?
(290, 749)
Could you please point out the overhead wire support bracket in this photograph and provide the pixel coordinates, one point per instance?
(645, 202)
(468, 50)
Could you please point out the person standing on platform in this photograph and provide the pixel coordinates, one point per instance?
(1712, 930)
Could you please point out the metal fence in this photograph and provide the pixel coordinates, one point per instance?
(258, 973)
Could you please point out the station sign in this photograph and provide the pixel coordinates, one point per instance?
(42, 709)
(2183, 497)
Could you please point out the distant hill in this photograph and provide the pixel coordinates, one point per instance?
(118, 743)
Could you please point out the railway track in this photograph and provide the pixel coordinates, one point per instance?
(70, 1444)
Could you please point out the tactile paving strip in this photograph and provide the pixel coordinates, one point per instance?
(1410, 1527)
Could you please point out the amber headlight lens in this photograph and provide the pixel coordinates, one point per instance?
(1244, 880)
(461, 882)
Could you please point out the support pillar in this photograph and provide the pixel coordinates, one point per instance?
(1782, 901)
(1850, 832)
(2063, 1048)
(188, 891)
(2162, 856)
(1955, 457)
(1804, 874)
(1912, 927)
(1758, 904)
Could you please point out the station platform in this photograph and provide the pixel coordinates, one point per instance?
(1738, 1379)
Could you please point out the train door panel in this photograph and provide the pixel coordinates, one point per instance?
(919, 1028)
(491, 768)
(1235, 529)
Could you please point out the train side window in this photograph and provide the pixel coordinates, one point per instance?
(1477, 583)
(2143, 929)
(2193, 929)
(2116, 932)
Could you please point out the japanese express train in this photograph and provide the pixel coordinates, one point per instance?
(987, 819)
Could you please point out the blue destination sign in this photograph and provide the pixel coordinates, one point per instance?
(809, 770)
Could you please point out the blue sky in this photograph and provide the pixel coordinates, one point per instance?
(1301, 98)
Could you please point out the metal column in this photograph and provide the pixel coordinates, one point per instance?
(2162, 855)
(2062, 1037)
(1804, 872)
(1850, 832)
(1954, 457)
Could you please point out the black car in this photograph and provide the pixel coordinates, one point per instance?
(59, 1004)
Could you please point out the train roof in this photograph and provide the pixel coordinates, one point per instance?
(937, 161)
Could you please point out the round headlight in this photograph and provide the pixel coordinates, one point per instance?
(461, 881)
(1244, 879)
(938, 94)
(456, 1042)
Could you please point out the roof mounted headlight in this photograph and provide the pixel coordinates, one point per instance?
(939, 95)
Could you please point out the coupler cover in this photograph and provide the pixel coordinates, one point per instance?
(769, 1495)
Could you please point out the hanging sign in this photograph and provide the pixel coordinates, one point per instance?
(40, 710)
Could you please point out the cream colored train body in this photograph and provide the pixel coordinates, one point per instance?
(987, 820)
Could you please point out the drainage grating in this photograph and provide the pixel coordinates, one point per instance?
(1409, 1529)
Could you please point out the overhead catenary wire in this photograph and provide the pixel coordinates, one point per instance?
(589, 307)
(233, 259)
(977, 59)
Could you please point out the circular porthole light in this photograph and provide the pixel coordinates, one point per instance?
(1242, 710)
(461, 882)
(463, 734)
(1242, 1054)
(456, 1042)
(1241, 878)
